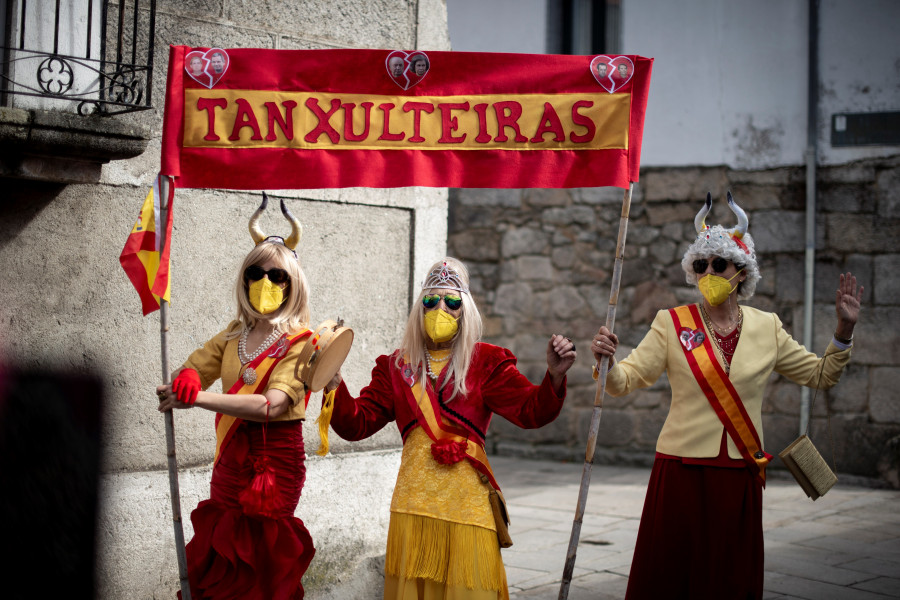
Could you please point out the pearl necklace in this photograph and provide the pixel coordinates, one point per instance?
(249, 375)
(430, 359)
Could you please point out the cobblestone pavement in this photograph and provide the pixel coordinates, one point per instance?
(843, 546)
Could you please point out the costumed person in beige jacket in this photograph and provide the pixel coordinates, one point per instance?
(441, 387)
(247, 542)
(700, 535)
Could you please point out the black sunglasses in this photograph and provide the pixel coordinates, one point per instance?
(432, 300)
(719, 265)
(255, 273)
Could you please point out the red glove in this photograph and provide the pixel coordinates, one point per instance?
(186, 386)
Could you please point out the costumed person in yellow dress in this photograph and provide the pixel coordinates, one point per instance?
(701, 535)
(247, 542)
(441, 387)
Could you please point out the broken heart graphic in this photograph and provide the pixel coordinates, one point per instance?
(206, 68)
(691, 339)
(407, 69)
(612, 73)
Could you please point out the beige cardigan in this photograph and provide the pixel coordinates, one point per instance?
(692, 428)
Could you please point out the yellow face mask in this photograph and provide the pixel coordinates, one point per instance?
(716, 289)
(265, 297)
(440, 326)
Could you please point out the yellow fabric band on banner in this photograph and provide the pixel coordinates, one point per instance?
(332, 121)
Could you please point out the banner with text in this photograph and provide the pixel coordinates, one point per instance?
(299, 119)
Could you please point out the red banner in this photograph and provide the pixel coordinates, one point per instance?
(296, 119)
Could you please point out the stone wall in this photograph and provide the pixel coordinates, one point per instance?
(542, 263)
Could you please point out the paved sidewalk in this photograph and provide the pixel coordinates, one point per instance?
(843, 546)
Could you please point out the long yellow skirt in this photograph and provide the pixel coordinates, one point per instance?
(441, 542)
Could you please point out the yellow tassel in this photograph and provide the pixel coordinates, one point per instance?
(458, 555)
(324, 421)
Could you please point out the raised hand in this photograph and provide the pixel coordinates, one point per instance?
(846, 304)
(560, 355)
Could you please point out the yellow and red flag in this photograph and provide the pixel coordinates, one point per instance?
(246, 119)
(145, 256)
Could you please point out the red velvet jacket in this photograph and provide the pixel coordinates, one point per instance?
(495, 386)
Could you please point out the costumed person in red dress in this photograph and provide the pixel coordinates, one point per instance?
(247, 542)
(701, 534)
(441, 387)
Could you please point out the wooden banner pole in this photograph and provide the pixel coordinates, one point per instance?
(598, 402)
(174, 492)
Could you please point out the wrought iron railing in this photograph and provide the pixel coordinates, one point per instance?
(100, 56)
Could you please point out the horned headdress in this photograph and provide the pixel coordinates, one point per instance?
(734, 244)
(259, 237)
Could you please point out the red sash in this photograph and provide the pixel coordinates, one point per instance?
(263, 364)
(425, 406)
(718, 389)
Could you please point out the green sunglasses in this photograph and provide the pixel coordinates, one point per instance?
(432, 300)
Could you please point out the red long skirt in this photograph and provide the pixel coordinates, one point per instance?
(233, 555)
(700, 535)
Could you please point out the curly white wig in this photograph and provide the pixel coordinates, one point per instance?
(727, 243)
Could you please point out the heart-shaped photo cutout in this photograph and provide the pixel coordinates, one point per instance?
(407, 69)
(612, 73)
(408, 373)
(206, 68)
(691, 339)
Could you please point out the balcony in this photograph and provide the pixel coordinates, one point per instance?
(71, 75)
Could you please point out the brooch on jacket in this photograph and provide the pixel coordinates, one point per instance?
(408, 373)
(279, 349)
(691, 339)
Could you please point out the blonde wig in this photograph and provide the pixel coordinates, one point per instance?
(470, 327)
(293, 314)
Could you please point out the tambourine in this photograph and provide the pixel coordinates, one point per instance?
(323, 354)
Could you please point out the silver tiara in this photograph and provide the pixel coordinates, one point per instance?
(444, 278)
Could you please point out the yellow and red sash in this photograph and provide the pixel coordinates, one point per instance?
(263, 364)
(425, 407)
(718, 388)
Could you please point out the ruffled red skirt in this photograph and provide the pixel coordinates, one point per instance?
(233, 555)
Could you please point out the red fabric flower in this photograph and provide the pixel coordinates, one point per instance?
(448, 452)
(260, 498)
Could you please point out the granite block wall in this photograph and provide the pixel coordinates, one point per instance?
(542, 263)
